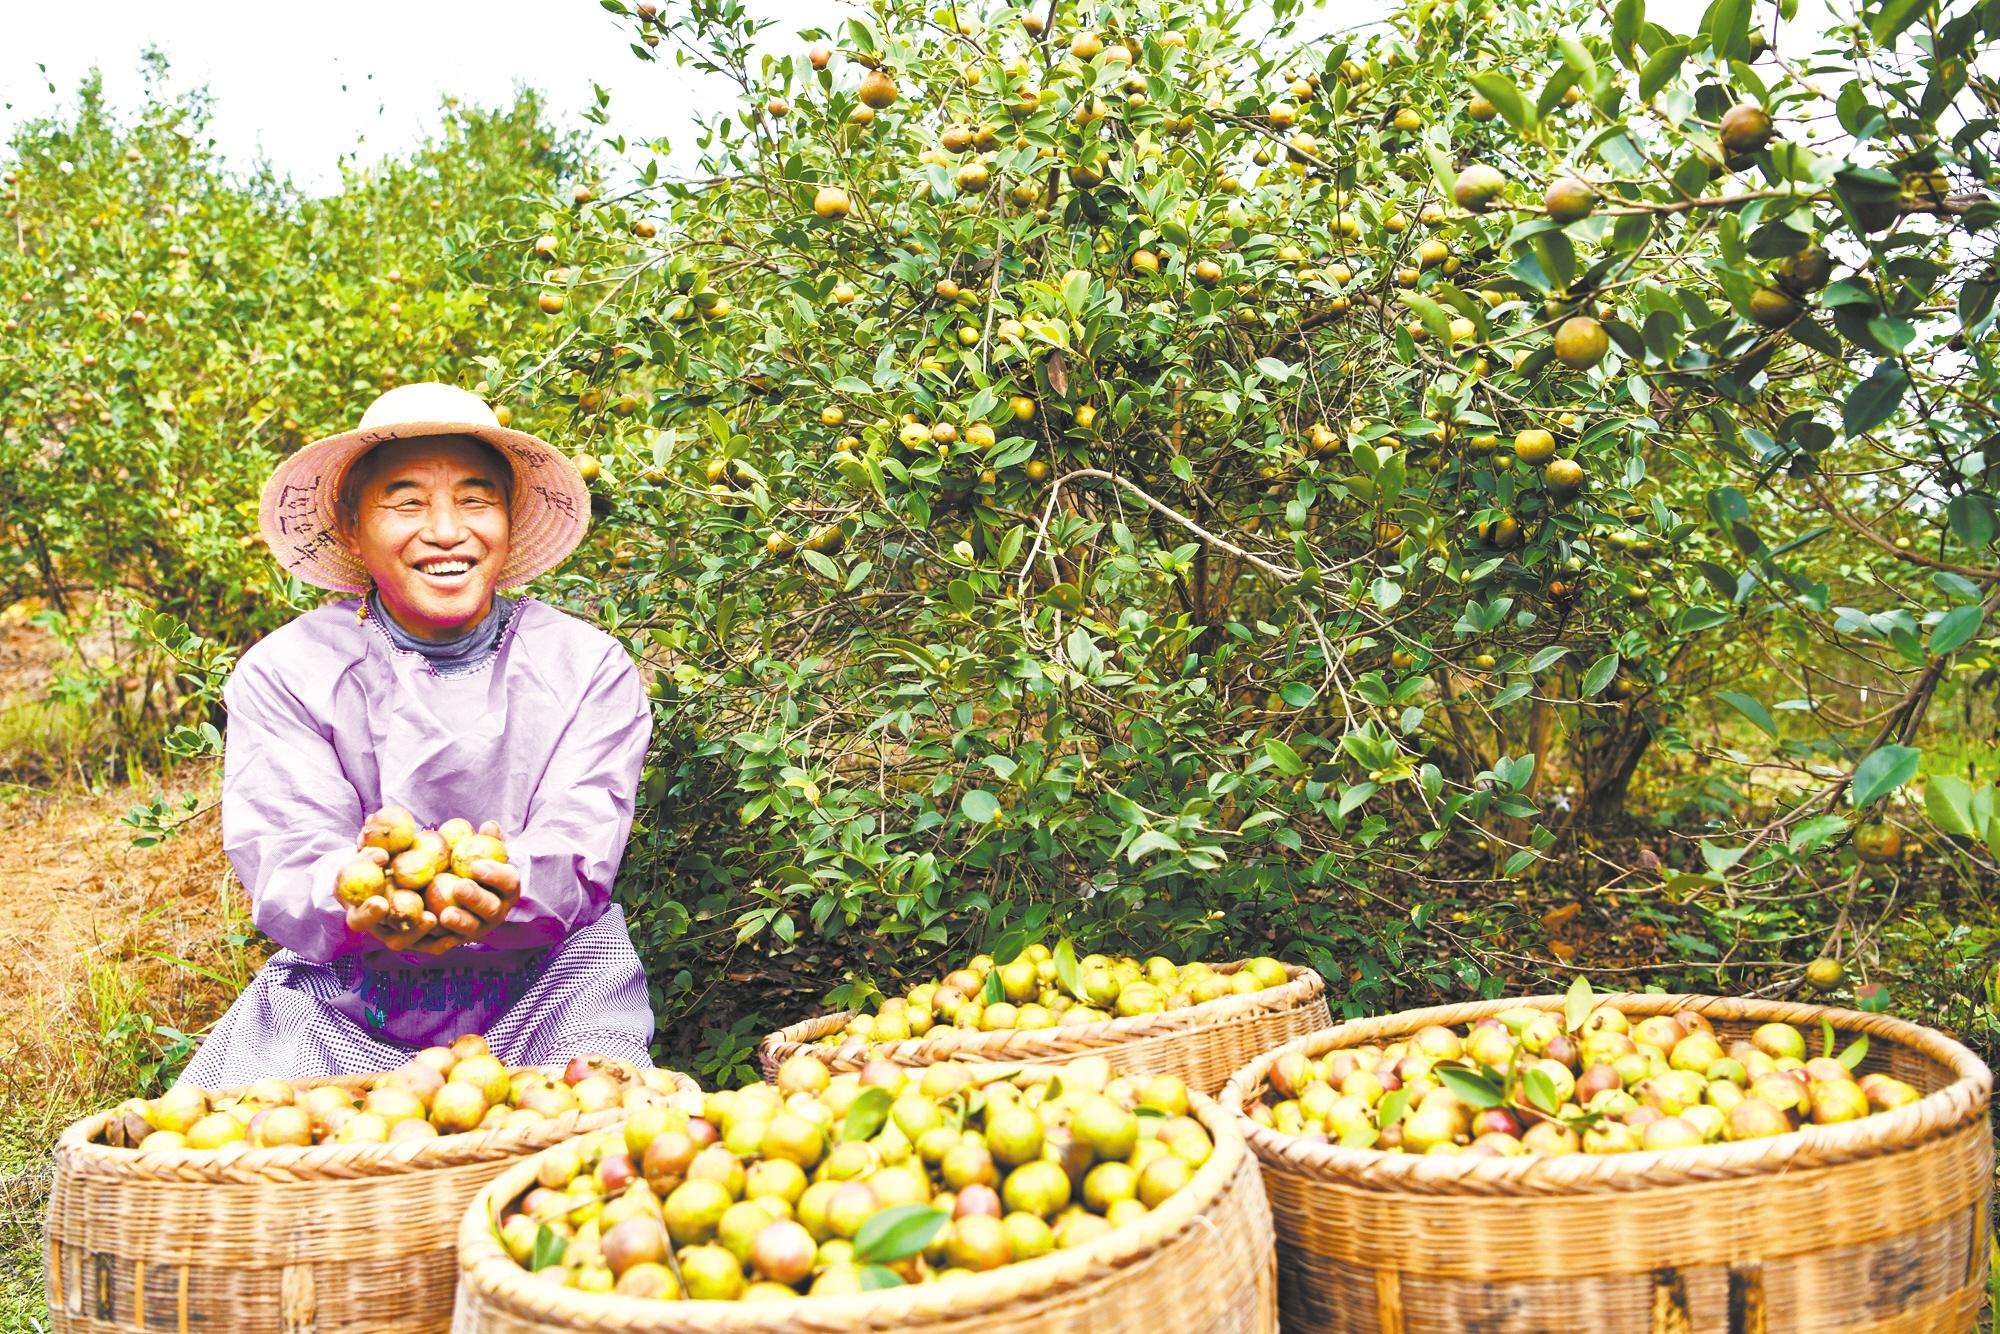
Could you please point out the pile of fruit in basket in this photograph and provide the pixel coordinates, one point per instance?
(1043, 988)
(441, 1091)
(424, 868)
(844, 1183)
(1592, 1080)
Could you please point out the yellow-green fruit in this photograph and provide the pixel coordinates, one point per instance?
(1477, 187)
(1824, 974)
(1878, 844)
(358, 882)
(877, 89)
(1807, 271)
(1534, 446)
(1581, 342)
(1745, 128)
(831, 203)
(1569, 200)
(1480, 109)
(1772, 308)
(1563, 477)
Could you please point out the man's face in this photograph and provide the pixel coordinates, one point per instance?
(432, 528)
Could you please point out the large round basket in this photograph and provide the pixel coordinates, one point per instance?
(1201, 1263)
(1877, 1225)
(324, 1239)
(1203, 1044)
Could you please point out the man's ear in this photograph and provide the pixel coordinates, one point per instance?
(349, 538)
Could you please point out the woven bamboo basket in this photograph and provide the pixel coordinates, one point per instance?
(323, 1239)
(1201, 1263)
(1876, 1226)
(1203, 1044)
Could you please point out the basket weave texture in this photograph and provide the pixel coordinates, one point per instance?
(1202, 1044)
(1876, 1226)
(321, 1239)
(1201, 1263)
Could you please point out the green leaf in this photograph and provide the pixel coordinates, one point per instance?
(1972, 519)
(1432, 314)
(1854, 1053)
(1390, 1110)
(870, 1110)
(1541, 1091)
(1948, 801)
(1886, 23)
(1297, 694)
(1545, 657)
(979, 806)
(1577, 56)
(897, 1234)
(1576, 1005)
(1752, 709)
(1874, 400)
(549, 1248)
(1149, 842)
(1283, 757)
(993, 993)
(874, 1278)
(1727, 26)
(1599, 675)
(1661, 67)
(1067, 972)
(1473, 1089)
(1956, 628)
(1626, 20)
(1506, 98)
(1882, 772)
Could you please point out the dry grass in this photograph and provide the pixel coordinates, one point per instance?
(110, 956)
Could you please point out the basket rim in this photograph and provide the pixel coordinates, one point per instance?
(499, 1280)
(1304, 986)
(77, 1153)
(1936, 1114)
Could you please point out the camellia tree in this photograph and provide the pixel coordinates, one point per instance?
(1158, 473)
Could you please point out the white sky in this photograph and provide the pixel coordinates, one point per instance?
(305, 83)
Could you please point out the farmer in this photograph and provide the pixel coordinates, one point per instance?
(425, 688)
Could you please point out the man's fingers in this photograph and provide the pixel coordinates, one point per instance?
(475, 899)
(380, 856)
(368, 914)
(492, 830)
(499, 877)
(460, 921)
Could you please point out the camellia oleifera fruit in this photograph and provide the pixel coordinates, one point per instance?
(426, 866)
(1528, 1082)
(1034, 990)
(822, 1185)
(440, 1091)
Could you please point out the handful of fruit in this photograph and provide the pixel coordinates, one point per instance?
(1589, 1079)
(440, 1091)
(427, 868)
(853, 1182)
(1044, 988)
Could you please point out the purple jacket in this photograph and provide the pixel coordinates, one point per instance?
(328, 720)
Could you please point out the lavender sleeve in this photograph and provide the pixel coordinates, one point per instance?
(569, 848)
(289, 815)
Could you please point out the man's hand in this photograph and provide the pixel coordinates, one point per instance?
(369, 916)
(481, 902)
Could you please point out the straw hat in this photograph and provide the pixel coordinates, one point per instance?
(300, 509)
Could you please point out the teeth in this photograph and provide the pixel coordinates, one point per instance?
(448, 567)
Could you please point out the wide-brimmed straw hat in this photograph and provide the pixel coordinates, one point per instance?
(299, 515)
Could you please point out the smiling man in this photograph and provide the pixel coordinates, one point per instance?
(430, 689)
